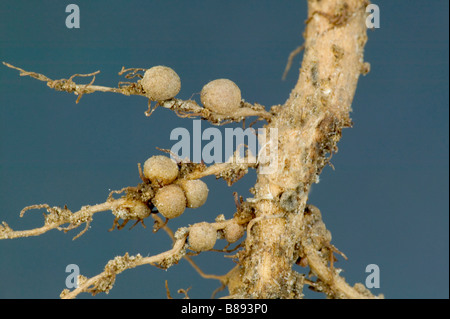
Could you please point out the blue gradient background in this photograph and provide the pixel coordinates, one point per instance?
(386, 202)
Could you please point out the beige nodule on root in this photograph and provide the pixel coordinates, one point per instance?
(160, 83)
(196, 192)
(170, 201)
(138, 209)
(233, 232)
(132, 209)
(222, 96)
(202, 236)
(160, 169)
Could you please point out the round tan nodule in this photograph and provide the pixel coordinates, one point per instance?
(132, 209)
(160, 169)
(160, 83)
(202, 236)
(196, 192)
(170, 201)
(139, 210)
(221, 96)
(233, 232)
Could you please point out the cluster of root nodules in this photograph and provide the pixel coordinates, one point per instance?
(160, 191)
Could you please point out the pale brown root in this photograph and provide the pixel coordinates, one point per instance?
(309, 126)
(291, 57)
(182, 108)
(58, 217)
(335, 285)
(104, 281)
